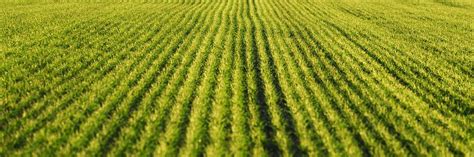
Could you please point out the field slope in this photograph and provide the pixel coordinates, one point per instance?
(236, 78)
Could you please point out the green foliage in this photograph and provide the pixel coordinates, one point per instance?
(236, 78)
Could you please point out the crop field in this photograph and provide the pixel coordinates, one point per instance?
(236, 78)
